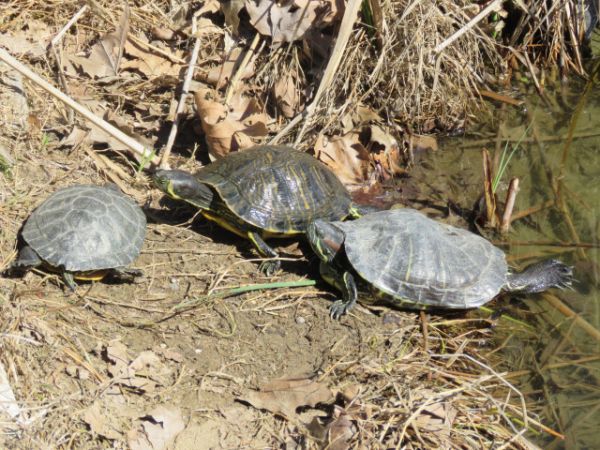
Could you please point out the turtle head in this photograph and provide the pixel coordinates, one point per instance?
(325, 239)
(182, 185)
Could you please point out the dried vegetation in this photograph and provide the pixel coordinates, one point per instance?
(81, 372)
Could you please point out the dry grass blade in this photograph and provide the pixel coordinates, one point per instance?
(346, 28)
(494, 5)
(164, 159)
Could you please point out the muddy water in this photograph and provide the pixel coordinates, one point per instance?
(554, 356)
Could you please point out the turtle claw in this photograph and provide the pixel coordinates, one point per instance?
(338, 309)
(269, 267)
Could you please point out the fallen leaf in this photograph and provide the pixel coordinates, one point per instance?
(437, 418)
(143, 374)
(286, 21)
(165, 34)
(283, 396)
(385, 151)
(75, 138)
(231, 10)
(287, 96)
(220, 75)
(359, 116)
(340, 431)
(110, 415)
(100, 422)
(158, 429)
(346, 157)
(116, 353)
(149, 64)
(169, 354)
(32, 40)
(105, 56)
(77, 372)
(206, 26)
(232, 127)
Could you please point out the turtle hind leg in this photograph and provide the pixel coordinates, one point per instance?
(266, 267)
(123, 274)
(26, 259)
(541, 276)
(69, 280)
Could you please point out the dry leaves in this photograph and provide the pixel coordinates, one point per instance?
(282, 396)
(110, 416)
(105, 56)
(287, 95)
(150, 64)
(437, 417)
(230, 127)
(359, 116)
(346, 157)
(341, 430)
(361, 157)
(142, 374)
(31, 41)
(289, 21)
(220, 75)
(385, 151)
(231, 10)
(157, 430)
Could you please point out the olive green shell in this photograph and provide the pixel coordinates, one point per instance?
(419, 261)
(83, 228)
(277, 188)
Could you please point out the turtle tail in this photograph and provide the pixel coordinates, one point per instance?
(541, 276)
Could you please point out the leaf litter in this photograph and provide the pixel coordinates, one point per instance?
(376, 387)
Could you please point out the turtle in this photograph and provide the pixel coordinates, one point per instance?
(262, 192)
(83, 232)
(402, 257)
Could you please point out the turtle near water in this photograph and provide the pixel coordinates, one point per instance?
(406, 259)
(262, 192)
(83, 232)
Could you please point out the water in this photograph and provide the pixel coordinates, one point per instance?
(556, 361)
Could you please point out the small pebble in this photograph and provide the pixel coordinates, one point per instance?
(300, 320)
(198, 351)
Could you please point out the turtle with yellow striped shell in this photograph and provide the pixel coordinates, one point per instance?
(262, 192)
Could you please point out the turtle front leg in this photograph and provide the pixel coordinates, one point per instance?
(345, 283)
(266, 267)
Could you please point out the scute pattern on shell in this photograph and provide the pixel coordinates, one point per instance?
(277, 188)
(86, 227)
(411, 257)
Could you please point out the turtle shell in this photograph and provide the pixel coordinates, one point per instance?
(277, 188)
(81, 228)
(414, 259)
